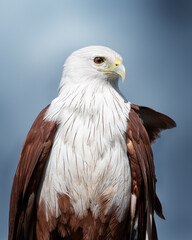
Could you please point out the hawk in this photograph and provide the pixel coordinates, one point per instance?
(86, 169)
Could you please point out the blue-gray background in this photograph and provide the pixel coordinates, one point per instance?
(155, 40)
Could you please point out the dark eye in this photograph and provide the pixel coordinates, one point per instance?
(99, 60)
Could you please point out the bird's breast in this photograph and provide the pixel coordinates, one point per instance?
(89, 163)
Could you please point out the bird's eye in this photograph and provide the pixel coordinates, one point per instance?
(99, 60)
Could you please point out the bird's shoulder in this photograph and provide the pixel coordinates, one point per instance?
(144, 126)
(32, 160)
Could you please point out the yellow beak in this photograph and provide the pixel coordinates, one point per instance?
(117, 68)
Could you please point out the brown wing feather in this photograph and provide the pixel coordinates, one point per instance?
(153, 121)
(144, 126)
(28, 174)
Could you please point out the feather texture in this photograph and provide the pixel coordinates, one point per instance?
(153, 121)
(89, 155)
(28, 175)
(144, 125)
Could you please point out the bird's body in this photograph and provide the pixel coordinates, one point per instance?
(81, 173)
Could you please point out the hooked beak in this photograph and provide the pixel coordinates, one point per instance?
(117, 68)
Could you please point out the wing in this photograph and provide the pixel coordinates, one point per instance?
(28, 175)
(144, 126)
(153, 121)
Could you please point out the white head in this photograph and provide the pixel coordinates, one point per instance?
(93, 63)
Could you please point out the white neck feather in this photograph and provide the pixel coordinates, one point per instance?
(86, 96)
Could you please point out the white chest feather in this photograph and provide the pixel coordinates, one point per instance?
(89, 154)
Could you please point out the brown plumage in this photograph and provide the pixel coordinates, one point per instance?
(27, 219)
(144, 126)
(28, 175)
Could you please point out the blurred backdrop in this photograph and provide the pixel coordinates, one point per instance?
(155, 40)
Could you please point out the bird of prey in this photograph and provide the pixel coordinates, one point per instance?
(86, 169)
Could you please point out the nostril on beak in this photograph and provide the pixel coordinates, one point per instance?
(117, 63)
